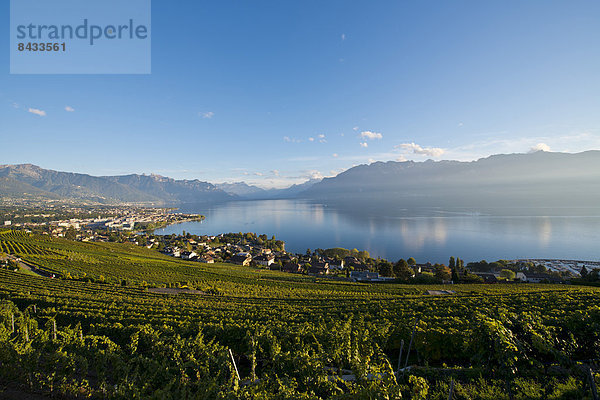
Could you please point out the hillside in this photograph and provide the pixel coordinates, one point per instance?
(25, 180)
(97, 331)
(540, 179)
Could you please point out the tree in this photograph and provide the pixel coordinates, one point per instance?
(451, 263)
(442, 272)
(411, 261)
(455, 277)
(583, 272)
(508, 274)
(402, 270)
(385, 268)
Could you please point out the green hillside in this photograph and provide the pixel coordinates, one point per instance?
(292, 336)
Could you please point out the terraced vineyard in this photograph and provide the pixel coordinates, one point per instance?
(18, 243)
(291, 336)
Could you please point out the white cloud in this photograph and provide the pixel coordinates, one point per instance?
(258, 173)
(364, 144)
(275, 172)
(69, 109)
(207, 115)
(401, 159)
(460, 124)
(322, 139)
(570, 142)
(291, 140)
(335, 155)
(343, 36)
(428, 151)
(35, 111)
(371, 160)
(355, 128)
(314, 174)
(321, 136)
(15, 105)
(371, 135)
(311, 139)
(539, 147)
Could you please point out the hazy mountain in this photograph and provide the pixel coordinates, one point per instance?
(293, 190)
(535, 180)
(540, 179)
(251, 192)
(19, 180)
(241, 189)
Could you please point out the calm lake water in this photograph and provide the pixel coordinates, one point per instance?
(426, 234)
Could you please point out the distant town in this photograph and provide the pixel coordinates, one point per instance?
(98, 218)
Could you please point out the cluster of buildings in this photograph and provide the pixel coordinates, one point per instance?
(256, 255)
(122, 219)
(572, 266)
(526, 277)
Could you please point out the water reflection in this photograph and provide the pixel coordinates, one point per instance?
(427, 234)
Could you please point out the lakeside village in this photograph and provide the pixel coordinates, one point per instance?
(136, 225)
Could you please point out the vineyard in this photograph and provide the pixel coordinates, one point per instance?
(98, 330)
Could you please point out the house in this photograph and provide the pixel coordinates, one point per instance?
(320, 268)
(128, 226)
(427, 267)
(206, 259)
(188, 255)
(241, 259)
(285, 259)
(292, 267)
(265, 259)
(336, 264)
(364, 275)
(359, 267)
(172, 251)
(521, 277)
(542, 278)
(354, 263)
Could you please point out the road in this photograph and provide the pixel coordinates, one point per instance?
(28, 267)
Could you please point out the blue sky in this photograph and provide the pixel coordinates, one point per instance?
(274, 92)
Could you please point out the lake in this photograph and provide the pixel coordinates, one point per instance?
(425, 234)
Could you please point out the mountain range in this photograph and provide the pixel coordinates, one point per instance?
(251, 192)
(30, 181)
(540, 179)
